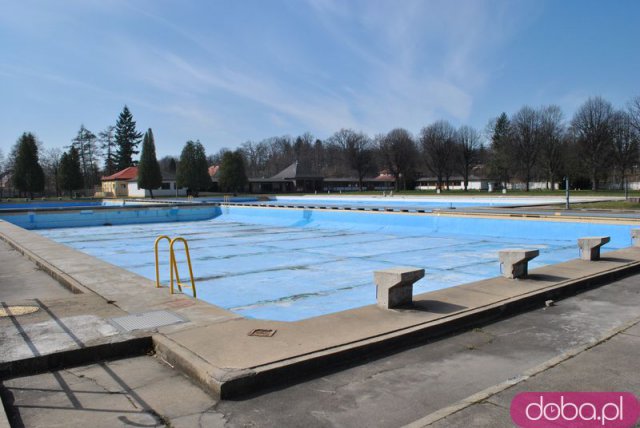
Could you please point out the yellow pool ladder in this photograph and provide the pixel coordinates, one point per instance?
(174, 265)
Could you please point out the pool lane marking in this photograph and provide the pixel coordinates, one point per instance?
(502, 216)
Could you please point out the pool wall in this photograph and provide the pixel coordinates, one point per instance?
(398, 223)
(247, 363)
(50, 204)
(412, 224)
(106, 216)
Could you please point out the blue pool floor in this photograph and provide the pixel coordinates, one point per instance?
(292, 273)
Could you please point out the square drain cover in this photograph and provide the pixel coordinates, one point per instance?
(262, 332)
(146, 320)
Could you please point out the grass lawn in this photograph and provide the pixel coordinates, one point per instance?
(445, 193)
(609, 205)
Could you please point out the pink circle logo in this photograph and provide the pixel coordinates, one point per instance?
(575, 409)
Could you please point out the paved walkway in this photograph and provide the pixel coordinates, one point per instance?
(21, 279)
(401, 388)
(140, 392)
(389, 391)
(611, 365)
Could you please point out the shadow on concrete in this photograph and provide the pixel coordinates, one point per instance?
(548, 278)
(616, 259)
(139, 405)
(21, 330)
(435, 306)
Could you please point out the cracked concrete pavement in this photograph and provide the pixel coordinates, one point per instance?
(139, 391)
(387, 391)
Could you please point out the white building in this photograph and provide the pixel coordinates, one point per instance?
(456, 182)
(124, 184)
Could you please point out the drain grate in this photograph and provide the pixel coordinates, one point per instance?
(14, 311)
(262, 332)
(146, 320)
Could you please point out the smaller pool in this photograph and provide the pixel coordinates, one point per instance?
(49, 204)
(44, 205)
(108, 215)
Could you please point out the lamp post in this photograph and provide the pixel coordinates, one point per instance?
(566, 192)
(626, 189)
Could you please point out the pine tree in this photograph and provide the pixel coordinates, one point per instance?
(28, 175)
(70, 172)
(127, 139)
(192, 171)
(149, 175)
(500, 163)
(232, 175)
(2, 173)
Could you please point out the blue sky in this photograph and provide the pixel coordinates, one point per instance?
(225, 72)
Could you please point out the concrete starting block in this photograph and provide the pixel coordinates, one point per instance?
(515, 261)
(635, 237)
(590, 246)
(394, 287)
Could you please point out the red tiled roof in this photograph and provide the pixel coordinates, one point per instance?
(130, 173)
(385, 176)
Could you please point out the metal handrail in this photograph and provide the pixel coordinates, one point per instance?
(173, 264)
(155, 246)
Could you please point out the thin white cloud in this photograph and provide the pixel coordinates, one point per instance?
(426, 59)
(369, 65)
(173, 73)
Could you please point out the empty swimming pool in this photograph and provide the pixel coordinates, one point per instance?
(291, 264)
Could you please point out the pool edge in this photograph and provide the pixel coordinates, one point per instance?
(181, 345)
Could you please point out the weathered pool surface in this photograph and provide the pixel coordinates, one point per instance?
(283, 266)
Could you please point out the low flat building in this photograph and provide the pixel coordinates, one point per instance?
(456, 182)
(292, 179)
(351, 184)
(124, 184)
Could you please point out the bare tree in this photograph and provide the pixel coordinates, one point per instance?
(216, 159)
(399, 153)
(3, 172)
(50, 160)
(319, 156)
(357, 151)
(591, 126)
(252, 158)
(86, 145)
(552, 139)
(468, 141)
(168, 164)
(303, 149)
(525, 130)
(634, 112)
(280, 154)
(108, 145)
(624, 138)
(438, 142)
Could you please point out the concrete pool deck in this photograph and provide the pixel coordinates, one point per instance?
(214, 347)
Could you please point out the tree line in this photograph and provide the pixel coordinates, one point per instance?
(599, 143)
(57, 172)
